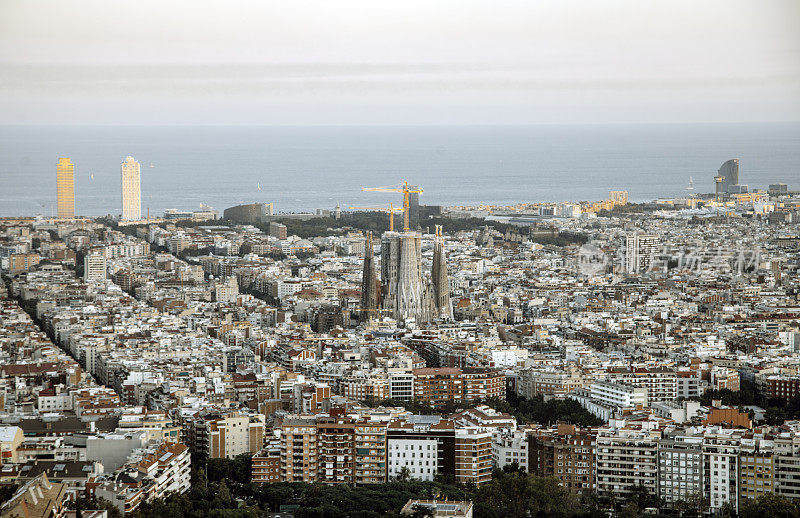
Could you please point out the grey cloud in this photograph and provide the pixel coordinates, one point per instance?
(297, 79)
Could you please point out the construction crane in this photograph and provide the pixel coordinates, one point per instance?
(391, 210)
(406, 190)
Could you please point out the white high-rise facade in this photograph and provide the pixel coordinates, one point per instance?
(94, 266)
(640, 251)
(131, 190)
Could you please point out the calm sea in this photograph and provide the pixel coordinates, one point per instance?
(302, 168)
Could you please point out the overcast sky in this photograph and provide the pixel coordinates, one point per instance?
(399, 62)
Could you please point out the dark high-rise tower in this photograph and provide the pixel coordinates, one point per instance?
(727, 179)
(727, 175)
(369, 282)
(413, 206)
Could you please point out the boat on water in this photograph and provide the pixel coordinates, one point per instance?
(691, 184)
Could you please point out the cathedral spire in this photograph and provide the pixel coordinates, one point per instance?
(369, 282)
(441, 283)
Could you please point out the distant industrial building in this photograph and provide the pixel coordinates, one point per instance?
(249, 213)
(130, 174)
(778, 189)
(205, 213)
(65, 188)
(413, 206)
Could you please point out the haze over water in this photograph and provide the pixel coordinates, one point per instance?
(303, 168)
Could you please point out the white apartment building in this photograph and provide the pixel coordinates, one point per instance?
(94, 266)
(401, 384)
(227, 290)
(508, 447)
(640, 252)
(661, 384)
(281, 288)
(618, 394)
(721, 469)
(420, 456)
(532, 382)
(235, 434)
(52, 401)
(173, 474)
(787, 465)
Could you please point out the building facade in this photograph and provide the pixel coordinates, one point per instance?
(94, 267)
(130, 176)
(65, 188)
(565, 452)
(640, 251)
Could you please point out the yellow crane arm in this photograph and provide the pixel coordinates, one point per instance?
(405, 191)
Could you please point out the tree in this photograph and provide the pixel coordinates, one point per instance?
(422, 511)
(771, 505)
(629, 510)
(694, 505)
(242, 467)
(7, 491)
(218, 469)
(644, 498)
(223, 496)
(82, 504)
(549, 498)
(404, 474)
(727, 510)
(514, 467)
(775, 416)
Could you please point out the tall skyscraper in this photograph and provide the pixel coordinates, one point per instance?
(413, 206)
(640, 251)
(369, 282)
(131, 190)
(728, 174)
(65, 188)
(727, 179)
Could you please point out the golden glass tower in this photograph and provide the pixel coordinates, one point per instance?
(65, 188)
(131, 190)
